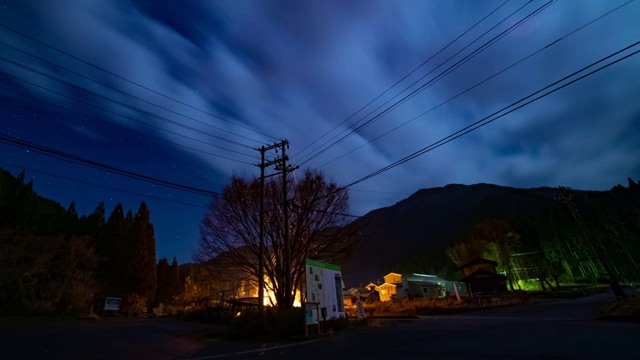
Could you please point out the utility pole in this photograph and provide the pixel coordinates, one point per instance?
(567, 198)
(285, 213)
(263, 165)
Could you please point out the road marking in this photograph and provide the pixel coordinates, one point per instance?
(251, 351)
(511, 318)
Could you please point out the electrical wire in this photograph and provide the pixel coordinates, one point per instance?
(130, 81)
(89, 183)
(91, 163)
(125, 105)
(381, 192)
(403, 78)
(446, 72)
(482, 82)
(487, 120)
(125, 117)
(125, 93)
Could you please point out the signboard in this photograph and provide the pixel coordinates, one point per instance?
(324, 287)
(112, 303)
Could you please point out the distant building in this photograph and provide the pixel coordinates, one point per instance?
(412, 286)
(481, 277)
(387, 291)
(367, 295)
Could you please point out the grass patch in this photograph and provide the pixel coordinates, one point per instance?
(628, 307)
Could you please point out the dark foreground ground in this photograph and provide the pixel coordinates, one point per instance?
(108, 338)
(555, 330)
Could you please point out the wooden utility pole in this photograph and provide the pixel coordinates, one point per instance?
(263, 165)
(567, 198)
(261, 245)
(287, 285)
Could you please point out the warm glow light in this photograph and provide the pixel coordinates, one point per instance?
(270, 297)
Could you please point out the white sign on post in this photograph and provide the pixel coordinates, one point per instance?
(112, 304)
(324, 287)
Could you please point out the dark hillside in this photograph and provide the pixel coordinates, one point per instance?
(432, 219)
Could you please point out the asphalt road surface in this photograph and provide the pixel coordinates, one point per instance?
(558, 330)
(108, 338)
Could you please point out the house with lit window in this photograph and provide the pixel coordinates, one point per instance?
(416, 286)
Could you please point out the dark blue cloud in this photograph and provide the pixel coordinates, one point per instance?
(297, 69)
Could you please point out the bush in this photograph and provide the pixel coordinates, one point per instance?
(272, 324)
(217, 315)
(334, 325)
(135, 305)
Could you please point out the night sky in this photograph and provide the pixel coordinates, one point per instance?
(191, 88)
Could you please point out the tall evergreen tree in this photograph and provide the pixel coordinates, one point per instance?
(72, 209)
(162, 281)
(175, 285)
(116, 252)
(144, 254)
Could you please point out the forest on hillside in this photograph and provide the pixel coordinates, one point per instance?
(54, 260)
(582, 237)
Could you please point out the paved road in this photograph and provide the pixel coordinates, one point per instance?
(559, 330)
(109, 338)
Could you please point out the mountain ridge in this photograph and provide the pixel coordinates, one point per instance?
(430, 220)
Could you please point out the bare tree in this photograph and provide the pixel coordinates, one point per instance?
(229, 238)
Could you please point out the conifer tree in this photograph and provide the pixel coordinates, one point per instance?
(175, 285)
(144, 254)
(162, 282)
(116, 253)
(72, 209)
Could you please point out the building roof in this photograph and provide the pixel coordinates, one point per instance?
(478, 261)
(483, 274)
(423, 283)
(424, 277)
(391, 284)
(392, 273)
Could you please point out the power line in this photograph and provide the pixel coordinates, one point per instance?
(125, 93)
(438, 77)
(102, 186)
(380, 192)
(482, 82)
(130, 81)
(404, 77)
(147, 113)
(123, 116)
(79, 160)
(487, 120)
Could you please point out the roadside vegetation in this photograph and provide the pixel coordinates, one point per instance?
(623, 309)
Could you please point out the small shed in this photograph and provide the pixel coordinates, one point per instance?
(481, 277)
(485, 282)
(478, 264)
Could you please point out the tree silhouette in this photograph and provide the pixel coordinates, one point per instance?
(143, 262)
(230, 230)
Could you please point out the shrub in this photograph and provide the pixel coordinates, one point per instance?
(135, 305)
(217, 315)
(272, 324)
(338, 324)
